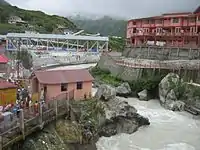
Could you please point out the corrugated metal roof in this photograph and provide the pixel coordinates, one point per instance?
(63, 76)
(56, 36)
(5, 84)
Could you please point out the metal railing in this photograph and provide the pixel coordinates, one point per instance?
(28, 122)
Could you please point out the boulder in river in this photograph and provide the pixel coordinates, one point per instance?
(175, 94)
(120, 117)
(167, 94)
(105, 92)
(123, 90)
(143, 95)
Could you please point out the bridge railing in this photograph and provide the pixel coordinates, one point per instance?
(26, 123)
(9, 136)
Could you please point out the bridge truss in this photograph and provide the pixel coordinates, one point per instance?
(56, 42)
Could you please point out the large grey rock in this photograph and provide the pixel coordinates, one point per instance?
(143, 95)
(166, 85)
(124, 89)
(177, 106)
(117, 107)
(105, 92)
(167, 93)
(121, 118)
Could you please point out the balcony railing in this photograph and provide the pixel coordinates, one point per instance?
(165, 34)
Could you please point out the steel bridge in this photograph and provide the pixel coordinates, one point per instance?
(56, 42)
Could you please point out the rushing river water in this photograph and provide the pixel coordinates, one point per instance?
(168, 131)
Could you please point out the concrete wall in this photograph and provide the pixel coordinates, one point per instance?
(55, 90)
(161, 53)
(107, 63)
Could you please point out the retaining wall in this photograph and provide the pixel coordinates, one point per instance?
(161, 53)
(107, 63)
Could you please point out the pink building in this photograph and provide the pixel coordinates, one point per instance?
(173, 29)
(59, 82)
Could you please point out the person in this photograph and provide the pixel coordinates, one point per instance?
(36, 107)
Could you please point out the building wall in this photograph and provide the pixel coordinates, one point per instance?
(175, 30)
(55, 90)
(8, 96)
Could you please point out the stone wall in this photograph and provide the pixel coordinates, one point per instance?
(107, 63)
(161, 53)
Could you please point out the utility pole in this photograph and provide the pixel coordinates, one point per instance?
(18, 60)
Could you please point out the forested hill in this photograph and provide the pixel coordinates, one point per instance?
(107, 26)
(36, 20)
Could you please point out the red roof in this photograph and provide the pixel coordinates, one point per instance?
(3, 59)
(5, 84)
(63, 76)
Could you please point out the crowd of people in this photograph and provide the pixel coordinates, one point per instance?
(23, 101)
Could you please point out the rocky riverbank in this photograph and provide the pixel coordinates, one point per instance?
(175, 94)
(105, 115)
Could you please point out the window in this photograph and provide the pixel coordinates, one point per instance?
(175, 20)
(192, 20)
(152, 21)
(134, 23)
(79, 85)
(198, 18)
(146, 21)
(63, 87)
(159, 21)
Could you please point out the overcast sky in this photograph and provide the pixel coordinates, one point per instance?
(121, 8)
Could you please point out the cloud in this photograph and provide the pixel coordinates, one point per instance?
(121, 8)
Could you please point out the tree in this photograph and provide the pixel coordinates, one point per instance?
(26, 59)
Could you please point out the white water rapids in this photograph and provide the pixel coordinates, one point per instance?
(168, 130)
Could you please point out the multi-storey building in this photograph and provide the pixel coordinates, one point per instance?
(174, 29)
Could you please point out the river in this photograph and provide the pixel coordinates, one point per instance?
(168, 130)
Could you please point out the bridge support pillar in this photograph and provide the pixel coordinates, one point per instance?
(56, 107)
(40, 115)
(1, 143)
(21, 120)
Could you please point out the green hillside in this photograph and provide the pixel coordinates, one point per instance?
(36, 20)
(106, 26)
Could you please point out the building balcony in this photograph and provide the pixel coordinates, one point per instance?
(146, 25)
(164, 34)
(131, 26)
(152, 25)
(192, 24)
(158, 25)
(143, 34)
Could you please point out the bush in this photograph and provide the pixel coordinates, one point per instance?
(148, 82)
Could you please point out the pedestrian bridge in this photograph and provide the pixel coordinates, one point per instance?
(29, 121)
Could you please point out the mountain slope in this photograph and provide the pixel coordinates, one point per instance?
(37, 20)
(106, 26)
(4, 2)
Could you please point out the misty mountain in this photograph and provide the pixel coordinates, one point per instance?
(3, 2)
(107, 26)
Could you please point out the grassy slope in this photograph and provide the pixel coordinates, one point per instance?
(40, 21)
